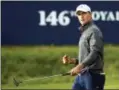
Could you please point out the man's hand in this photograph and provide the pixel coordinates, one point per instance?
(67, 60)
(76, 70)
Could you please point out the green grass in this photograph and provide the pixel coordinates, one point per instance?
(36, 84)
(53, 86)
(33, 61)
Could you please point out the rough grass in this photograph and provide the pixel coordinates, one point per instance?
(25, 62)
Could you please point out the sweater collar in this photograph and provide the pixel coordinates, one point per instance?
(84, 27)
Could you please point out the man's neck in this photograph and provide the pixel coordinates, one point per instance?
(88, 23)
(83, 27)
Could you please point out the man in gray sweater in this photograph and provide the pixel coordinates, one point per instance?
(89, 65)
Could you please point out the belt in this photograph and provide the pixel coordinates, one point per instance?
(98, 71)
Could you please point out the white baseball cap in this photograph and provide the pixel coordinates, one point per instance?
(83, 8)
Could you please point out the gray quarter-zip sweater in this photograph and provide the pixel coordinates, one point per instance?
(91, 47)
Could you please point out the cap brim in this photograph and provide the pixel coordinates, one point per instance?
(78, 11)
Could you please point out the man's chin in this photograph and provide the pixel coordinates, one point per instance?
(83, 23)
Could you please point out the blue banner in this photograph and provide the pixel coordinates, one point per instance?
(54, 22)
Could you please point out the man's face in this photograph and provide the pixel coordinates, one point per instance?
(84, 17)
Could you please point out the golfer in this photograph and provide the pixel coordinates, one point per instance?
(89, 65)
